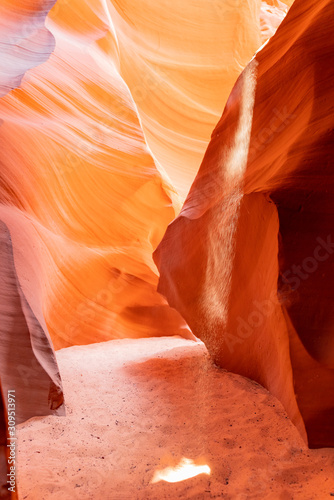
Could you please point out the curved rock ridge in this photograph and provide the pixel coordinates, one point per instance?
(75, 165)
(271, 15)
(88, 92)
(30, 382)
(26, 349)
(25, 42)
(249, 260)
(180, 60)
(74, 157)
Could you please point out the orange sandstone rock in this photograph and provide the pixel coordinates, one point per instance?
(180, 61)
(249, 260)
(77, 175)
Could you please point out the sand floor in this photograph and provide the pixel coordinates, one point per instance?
(138, 406)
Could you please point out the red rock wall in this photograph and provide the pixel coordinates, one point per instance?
(77, 175)
(83, 200)
(249, 261)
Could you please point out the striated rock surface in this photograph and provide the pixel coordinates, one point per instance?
(77, 175)
(101, 103)
(30, 383)
(25, 42)
(180, 61)
(249, 260)
(89, 91)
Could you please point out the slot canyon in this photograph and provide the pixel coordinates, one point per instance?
(167, 249)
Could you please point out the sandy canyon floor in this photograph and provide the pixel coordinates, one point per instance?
(135, 407)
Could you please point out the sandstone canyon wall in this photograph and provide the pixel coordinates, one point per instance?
(119, 81)
(249, 260)
(102, 103)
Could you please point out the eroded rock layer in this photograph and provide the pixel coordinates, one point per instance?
(77, 175)
(29, 378)
(81, 85)
(249, 260)
(180, 61)
(83, 200)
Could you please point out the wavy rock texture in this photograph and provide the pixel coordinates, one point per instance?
(188, 56)
(88, 92)
(271, 15)
(24, 40)
(29, 378)
(91, 195)
(249, 261)
(75, 165)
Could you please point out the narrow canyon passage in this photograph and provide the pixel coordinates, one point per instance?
(166, 249)
(137, 407)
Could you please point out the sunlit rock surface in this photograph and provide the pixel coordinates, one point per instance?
(77, 135)
(25, 42)
(271, 15)
(106, 110)
(249, 261)
(77, 174)
(180, 60)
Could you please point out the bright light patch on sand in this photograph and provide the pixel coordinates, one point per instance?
(185, 470)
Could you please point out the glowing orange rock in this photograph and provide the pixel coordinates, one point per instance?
(83, 202)
(78, 175)
(249, 260)
(180, 61)
(76, 168)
